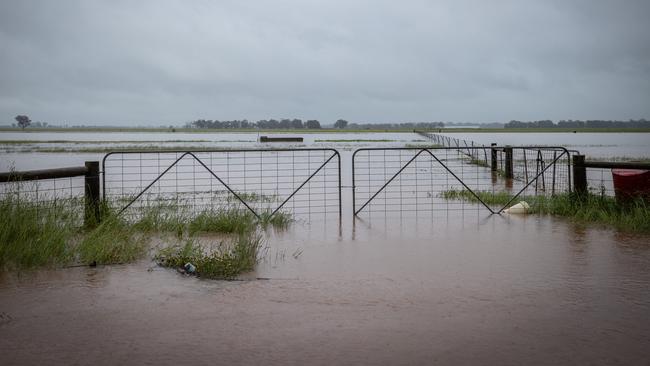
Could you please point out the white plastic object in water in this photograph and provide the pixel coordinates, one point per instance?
(520, 208)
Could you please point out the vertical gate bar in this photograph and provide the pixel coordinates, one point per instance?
(553, 179)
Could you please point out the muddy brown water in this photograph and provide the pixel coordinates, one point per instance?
(456, 288)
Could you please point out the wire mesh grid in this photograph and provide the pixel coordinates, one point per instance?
(300, 182)
(600, 181)
(433, 179)
(467, 147)
(56, 197)
(532, 163)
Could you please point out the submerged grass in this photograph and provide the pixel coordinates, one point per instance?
(479, 162)
(108, 148)
(50, 234)
(230, 221)
(632, 216)
(231, 259)
(226, 220)
(422, 146)
(112, 241)
(355, 140)
(36, 233)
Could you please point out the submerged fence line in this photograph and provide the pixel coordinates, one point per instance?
(308, 181)
(261, 181)
(44, 188)
(420, 179)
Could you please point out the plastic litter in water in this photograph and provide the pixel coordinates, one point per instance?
(189, 268)
(520, 208)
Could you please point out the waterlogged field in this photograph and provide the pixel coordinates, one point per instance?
(454, 285)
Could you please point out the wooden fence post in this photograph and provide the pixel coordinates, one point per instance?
(579, 175)
(91, 194)
(494, 157)
(508, 167)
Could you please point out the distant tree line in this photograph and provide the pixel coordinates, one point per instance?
(309, 124)
(263, 124)
(641, 123)
(396, 126)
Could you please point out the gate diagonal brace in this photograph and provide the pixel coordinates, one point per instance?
(303, 184)
(226, 185)
(205, 166)
(407, 164)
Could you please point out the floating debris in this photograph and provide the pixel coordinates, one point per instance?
(520, 208)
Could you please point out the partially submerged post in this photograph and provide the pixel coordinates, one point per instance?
(508, 167)
(91, 193)
(579, 175)
(494, 157)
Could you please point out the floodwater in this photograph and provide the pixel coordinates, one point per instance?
(476, 290)
(443, 287)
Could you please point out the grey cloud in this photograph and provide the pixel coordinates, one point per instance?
(160, 62)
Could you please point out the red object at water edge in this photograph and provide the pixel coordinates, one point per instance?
(630, 183)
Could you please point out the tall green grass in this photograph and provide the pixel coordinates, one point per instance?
(51, 234)
(632, 216)
(34, 235)
(112, 241)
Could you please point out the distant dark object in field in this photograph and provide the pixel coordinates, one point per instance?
(280, 139)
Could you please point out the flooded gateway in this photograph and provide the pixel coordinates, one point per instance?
(450, 285)
(453, 289)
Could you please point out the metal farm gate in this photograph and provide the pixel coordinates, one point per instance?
(453, 178)
(295, 181)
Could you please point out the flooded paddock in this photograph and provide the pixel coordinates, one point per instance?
(443, 286)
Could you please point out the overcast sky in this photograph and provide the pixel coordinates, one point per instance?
(168, 62)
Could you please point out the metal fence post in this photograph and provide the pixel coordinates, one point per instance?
(508, 167)
(494, 157)
(579, 174)
(91, 194)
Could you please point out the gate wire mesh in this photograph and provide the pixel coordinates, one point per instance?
(294, 181)
(432, 179)
(57, 197)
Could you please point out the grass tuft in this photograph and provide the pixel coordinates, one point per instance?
(230, 260)
(34, 235)
(632, 216)
(112, 241)
(279, 221)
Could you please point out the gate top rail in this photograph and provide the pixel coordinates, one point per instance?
(180, 151)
